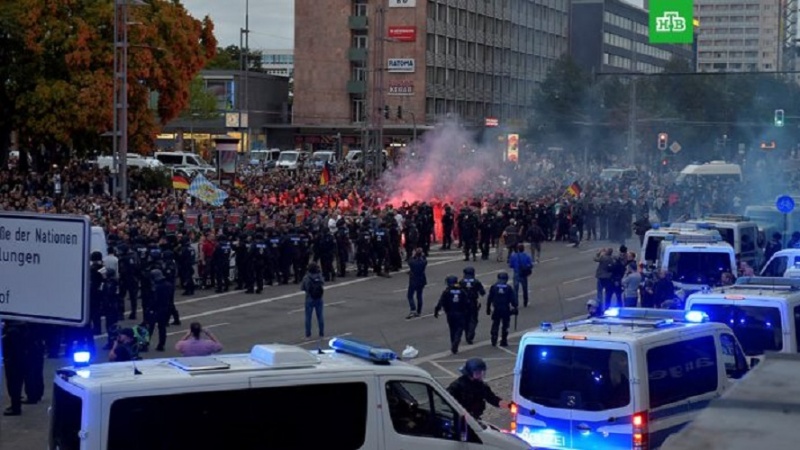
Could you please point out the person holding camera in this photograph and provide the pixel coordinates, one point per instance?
(198, 342)
(124, 348)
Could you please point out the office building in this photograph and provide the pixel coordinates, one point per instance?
(744, 35)
(278, 62)
(465, 60)
(612, 36)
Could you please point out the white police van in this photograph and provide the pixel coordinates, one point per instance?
(696, 262)
(741, 233)
(651, 244)
(623, 381)
(276, 397)
(784, 263)
(764, 313)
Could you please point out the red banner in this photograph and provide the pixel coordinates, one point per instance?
(403, 34)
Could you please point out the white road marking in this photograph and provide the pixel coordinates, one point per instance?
(421, 317)
(575, 280)
(193, 299)
(205, 327)
(294, 311)
(580, 296)
(507, 351)
(444, 369)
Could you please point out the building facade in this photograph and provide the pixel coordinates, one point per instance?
(278, 62)
(612, 36)
(412, 63)
(741, 35)
(247, 104)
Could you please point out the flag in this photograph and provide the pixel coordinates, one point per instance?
(237, 183)
(204, 190)
(179, 182)
(574, 189)
(325, 175)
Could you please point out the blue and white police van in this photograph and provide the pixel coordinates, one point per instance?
(353, 396)
(623, 381)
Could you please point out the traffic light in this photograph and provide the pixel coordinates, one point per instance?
(662, 141)
(399, 112)
(386, 112)
(779, 118)
(664, 162)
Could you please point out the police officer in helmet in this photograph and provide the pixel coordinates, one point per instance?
(472, 392)
(455, 304)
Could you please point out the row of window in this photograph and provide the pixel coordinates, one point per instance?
(545, 44)
(639, 47)
(738, 43)
(439, 107)
(518, 37)
(738, 30)
(746, 67)
(735, 54)
(738, 6)
(509, 86)
(521, 11)
(732, 19)
(625, 23)
(625, 63)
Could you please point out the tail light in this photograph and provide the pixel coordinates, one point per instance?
(641, 432)
(514, 410)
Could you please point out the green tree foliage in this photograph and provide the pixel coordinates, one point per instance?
(201, 102)
(561, 100)
(228, 58)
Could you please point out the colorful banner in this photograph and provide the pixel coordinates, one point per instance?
(205, 191)
(512, 142)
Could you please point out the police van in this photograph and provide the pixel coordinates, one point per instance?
(622, 381)
(784, 263)
(354, 396)
(654, 236)
(741, 233)
(696, 262)
(764, 313)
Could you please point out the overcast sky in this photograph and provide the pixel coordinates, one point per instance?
(271, 21)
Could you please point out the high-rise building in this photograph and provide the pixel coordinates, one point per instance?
(742, 35)
(360, 62)
(612, 36)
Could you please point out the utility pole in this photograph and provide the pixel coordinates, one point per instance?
(378, 90)
(247, 73)
(632, 113)
(120, 147)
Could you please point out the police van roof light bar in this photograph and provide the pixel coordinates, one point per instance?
(362, 350)
(660, 317)
(693, 238)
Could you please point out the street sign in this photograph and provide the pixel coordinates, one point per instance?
(44, 259)
(675, 147)
(785, 204)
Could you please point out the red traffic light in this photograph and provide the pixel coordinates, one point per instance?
(664, 162)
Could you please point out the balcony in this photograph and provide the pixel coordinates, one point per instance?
(357, 22)
(356, 87)
(357, 54)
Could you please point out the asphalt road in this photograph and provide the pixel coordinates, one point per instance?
(371, 309)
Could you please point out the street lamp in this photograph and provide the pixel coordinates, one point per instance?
(191, 129)
(120, 152)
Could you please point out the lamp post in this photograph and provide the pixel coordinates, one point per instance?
(191, 129)
(120, 148)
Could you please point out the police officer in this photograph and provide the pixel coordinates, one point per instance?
(259, 257)
(448, 220)
(380, 241)
(129, 278)
(112, 304)
(363, 250)
(96, 271)
(474, 290)
(186, 259)
(472, 392)
(324, 252)
(170, 270)
(468, 234)
(221, 260)
(501, 305)
(158, 311)
(455, 304)
(485, 239)
(342, 246)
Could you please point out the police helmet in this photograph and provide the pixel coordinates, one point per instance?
(502, 276)
(469, 271)
(96, 257)
(156, 275)
(451, 280)
(473, 365)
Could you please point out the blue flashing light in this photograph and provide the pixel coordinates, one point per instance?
(696, 316)
(655, 226)
(81, 358)
(611, 312)
(362, 350)
(546, 326)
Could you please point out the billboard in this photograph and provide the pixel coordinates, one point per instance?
(671, 21)
(403, 34)
(401, 65)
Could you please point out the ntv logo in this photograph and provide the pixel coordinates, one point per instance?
(670, 22)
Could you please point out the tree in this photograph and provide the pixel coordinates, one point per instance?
(228, 58)
(61, 88)
(201, 102)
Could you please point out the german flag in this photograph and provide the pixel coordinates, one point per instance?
(180, 182)
(325, 175)
(574, 189)
(237, 183)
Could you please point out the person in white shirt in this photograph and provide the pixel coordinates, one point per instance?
(111, 261)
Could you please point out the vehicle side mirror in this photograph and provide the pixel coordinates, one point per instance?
(462, 428)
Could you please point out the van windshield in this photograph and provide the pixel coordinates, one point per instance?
(65, 420)
(291, 157)
(699, 267)
(758, 328)
(587, 379)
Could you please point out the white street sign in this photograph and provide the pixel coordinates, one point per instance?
(44, 268)
(675, 147)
